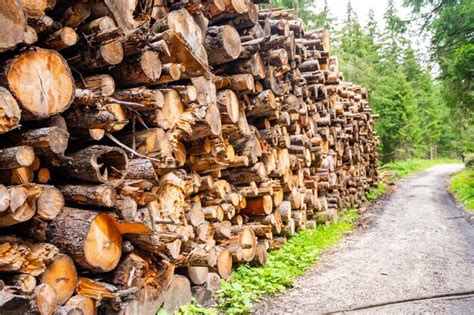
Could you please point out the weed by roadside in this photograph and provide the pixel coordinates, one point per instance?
(462, 185)
(249, 284)
(376, 192)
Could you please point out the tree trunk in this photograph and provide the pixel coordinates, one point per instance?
(14, 157)
(143, 69)
(89, 195)
(178, 294)
(47, 142)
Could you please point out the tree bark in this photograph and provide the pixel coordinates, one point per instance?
(222, 44)
(13, 19)
(98, 164)
(14, 157)
(90, 238)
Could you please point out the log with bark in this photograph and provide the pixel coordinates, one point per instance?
(139, 138)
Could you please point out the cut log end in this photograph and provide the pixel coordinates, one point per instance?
(112, 52)
(46, 299)
(178, 294)
(4, 198)
(49, 203)
(248, 243)
(61, 275)
(92, 239)
(151, 65)
(103, 245)
(224, 263)
(41, 80)
(85, 304)
(231, 41)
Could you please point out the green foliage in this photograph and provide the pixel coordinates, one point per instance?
(249, 284)
(451, 24)
(462, 185)
(415, 121)
(375, 192)
(404, 168)
(194, 308)
(469, 160)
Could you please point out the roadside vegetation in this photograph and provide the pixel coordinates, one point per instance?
(398, 169)
(393, 171)
(376, 192)
(249, 284)
(462, 184)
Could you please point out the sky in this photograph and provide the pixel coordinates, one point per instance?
(362, 7)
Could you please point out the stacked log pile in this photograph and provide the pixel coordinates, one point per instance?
(147, 147)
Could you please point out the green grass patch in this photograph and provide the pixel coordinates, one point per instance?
(376, 192)
(402, 168)
(462, 185)
(249, 284)
(193, 308)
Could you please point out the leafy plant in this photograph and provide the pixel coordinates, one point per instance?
(469, 160)
(376, 192)
(250, 284)
(462, 185)
(194, 308)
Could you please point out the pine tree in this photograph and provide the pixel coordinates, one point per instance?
(394, 38)
(324, 19)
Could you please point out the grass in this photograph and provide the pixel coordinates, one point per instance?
(399, 169)
(376, 192)
(462, 185)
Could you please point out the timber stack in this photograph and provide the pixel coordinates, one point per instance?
(147, 147)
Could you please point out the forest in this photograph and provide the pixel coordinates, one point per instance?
(425, 102)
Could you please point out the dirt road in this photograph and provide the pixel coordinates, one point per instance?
(416, 256)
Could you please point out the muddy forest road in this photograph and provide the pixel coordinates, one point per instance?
(417, 255)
